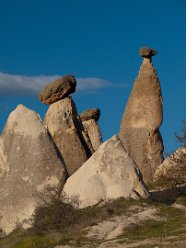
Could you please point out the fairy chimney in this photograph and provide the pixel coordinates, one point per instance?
(142, 118)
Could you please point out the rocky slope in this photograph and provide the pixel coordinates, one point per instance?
(171, 173)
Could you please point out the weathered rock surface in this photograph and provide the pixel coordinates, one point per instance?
(89, 119)
(93, 131)
(172, 172)
(147, 52)
(58, 89)
(110, 173)
(142, 118)
(90, 114)
(68, 133)
(29, 162)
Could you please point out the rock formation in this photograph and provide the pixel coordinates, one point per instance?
(172, 172)
(142, 118)
(58, 89)
(68, 133)
(29, 163)
(110, 173)
(147, 52)
(89, 119)
(90, 114)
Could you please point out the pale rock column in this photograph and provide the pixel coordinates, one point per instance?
(142, 118)
(67, 131)
(90, 119)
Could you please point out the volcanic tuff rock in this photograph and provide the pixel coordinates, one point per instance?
(110, 173)
(89, 119)
(142, 118)
(29, 162)
(93, 131)
(68, 133)
(58, 89)
(172, 172)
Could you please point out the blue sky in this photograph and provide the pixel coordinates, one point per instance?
(98, 42)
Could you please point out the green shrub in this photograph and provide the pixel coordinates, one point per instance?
(55, 216)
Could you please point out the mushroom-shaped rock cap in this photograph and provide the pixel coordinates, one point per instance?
(58, 89)
(90, 114)
(147, 52)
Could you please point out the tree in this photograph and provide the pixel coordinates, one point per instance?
(182, 138)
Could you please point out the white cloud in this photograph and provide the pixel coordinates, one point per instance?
(31, 85)
(92, 83)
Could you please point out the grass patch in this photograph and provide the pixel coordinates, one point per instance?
(38, 241)
(173, 224)
(151, 186)
(60, 216)
(30, 240)
(181, 200)
(59, 223)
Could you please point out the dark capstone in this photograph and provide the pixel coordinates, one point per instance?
(90, 114)
(147, 52)
(58, 89)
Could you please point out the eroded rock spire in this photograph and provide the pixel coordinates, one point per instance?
(142, 118)
(90, 119)
(67, 131)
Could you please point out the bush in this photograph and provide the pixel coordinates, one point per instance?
(59, 215)
(182, 139)
(55, 215)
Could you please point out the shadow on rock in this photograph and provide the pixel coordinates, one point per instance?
(168, 196)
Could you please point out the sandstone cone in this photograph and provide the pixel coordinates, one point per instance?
(109, 174)
(58, 89)
(172, 172)
(68, 133)
(89, 119)
(29, 162)
(142, 118)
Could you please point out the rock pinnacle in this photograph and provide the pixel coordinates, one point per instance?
(147, 52)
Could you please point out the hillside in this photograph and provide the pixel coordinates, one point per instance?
(62, 186)
(120, 223)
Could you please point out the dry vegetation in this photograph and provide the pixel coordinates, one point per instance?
(59, 223)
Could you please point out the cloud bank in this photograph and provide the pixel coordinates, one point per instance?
(31, 85)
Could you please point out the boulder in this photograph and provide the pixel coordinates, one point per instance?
(142, 118)
(29, 163)
(90, 114)
(147, 52)
(58, 89)
(67, 131)
(109, 174)
(172, 172)
(89, 119)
